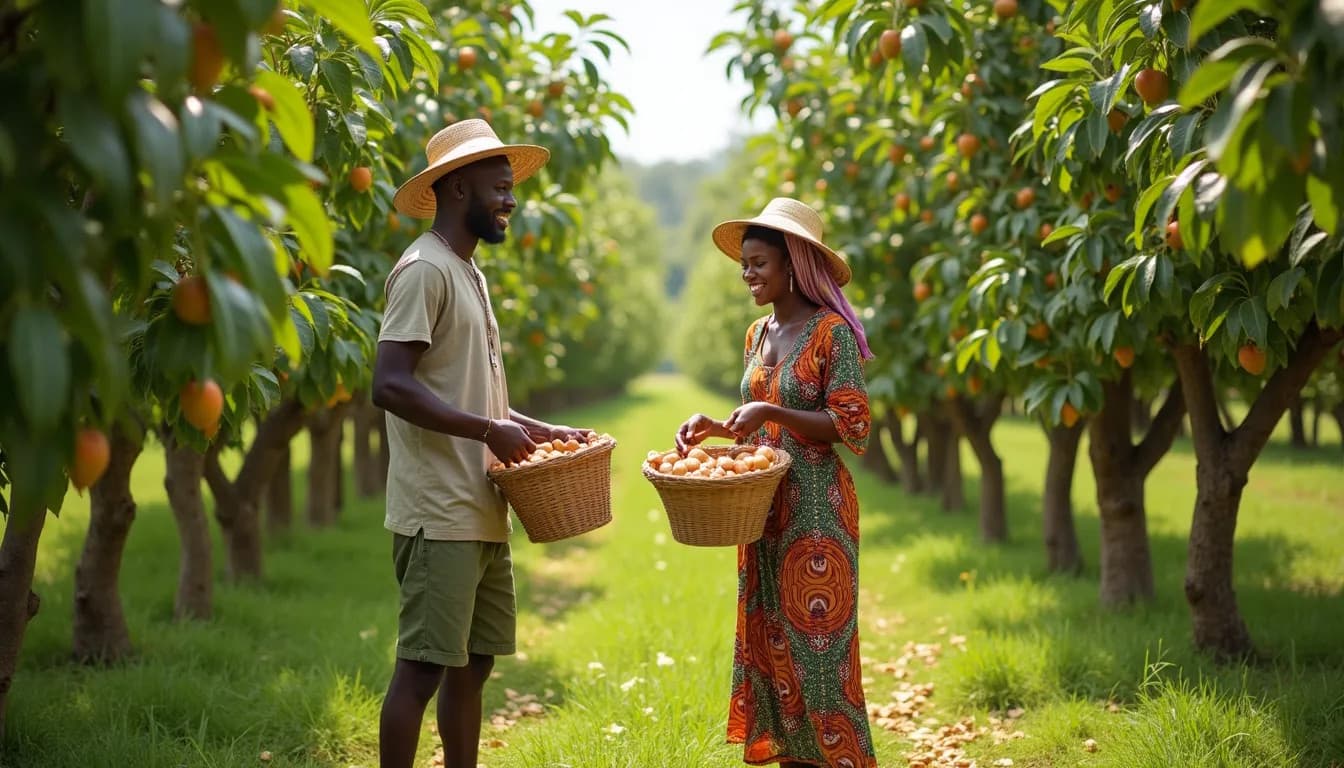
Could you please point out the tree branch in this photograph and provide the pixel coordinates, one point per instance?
(1162, 432)
(273, 434)
(1197, 387)
(1250, 437)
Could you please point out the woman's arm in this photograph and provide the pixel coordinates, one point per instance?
(817, 426)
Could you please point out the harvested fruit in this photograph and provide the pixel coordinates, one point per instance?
(554, 449)
(741, 460)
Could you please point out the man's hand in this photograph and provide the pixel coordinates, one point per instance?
(543, 432)
(509, 442)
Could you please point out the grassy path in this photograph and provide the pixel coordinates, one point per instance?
(626, 636)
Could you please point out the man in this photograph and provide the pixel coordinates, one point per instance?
(440, 378)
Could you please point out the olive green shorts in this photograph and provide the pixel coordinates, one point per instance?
(456, 598)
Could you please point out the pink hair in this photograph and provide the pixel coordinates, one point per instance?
(817, 284)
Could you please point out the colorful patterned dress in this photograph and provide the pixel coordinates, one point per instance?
(797, 680)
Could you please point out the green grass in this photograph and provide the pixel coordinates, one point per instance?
(298, 666)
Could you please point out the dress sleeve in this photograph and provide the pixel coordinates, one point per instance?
(751, 338)
(842, 380)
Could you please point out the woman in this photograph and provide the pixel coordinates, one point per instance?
(797, 695)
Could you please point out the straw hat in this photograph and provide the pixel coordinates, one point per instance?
(783, 214)
(455, 146)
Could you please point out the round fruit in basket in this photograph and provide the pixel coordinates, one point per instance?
(556, 448)
(739, 460)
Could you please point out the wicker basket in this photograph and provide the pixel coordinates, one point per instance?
(719, 512)
(561, 497)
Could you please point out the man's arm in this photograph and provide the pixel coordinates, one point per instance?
(397, 391)
(540, 430)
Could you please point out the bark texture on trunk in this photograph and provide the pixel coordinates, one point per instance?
(324, 465)
(1297, 423)
(369, 481)
(1061, 536)
(1224, 459)
(975, 420)
(100, 634)
(907, 452)
(280, 495)
(18, 602)
(238, 502)
(196, 571)
(934, 431)
(952, 493)
(1338, 413)
(1121, 470)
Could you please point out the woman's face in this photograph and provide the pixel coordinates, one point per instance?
(765, 270)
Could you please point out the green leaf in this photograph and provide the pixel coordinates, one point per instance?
(1062, 233)
(1324, 204)
(95, 140)
(1146, 201)
(1280, 292)
(1208, 15)
(303, 59)
(1255, 321)
(157, 145)
(336, 77)
(1070, 61)
(291, 116)
(200, 125)
(969, 348)
(914, 49)
(117, 36)
(1217, 71)
(40, 366)
(1226, 122)
(350, 17)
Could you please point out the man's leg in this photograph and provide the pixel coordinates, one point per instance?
(460, 710)
(413, 685)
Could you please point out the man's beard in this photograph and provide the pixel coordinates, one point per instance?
(481, 223)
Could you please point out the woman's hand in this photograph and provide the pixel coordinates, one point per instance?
(747, 419)
(696, 429)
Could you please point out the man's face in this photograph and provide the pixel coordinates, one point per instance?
(490, 199)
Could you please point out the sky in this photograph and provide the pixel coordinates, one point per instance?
(685, 108)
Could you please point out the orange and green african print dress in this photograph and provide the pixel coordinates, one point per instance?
(797, 680)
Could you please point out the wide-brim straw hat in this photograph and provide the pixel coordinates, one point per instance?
(455, 146)
(783, 214)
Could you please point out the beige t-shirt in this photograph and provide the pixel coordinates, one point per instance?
(436, 481)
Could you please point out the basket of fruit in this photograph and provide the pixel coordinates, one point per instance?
(717, 496)
(562, 490)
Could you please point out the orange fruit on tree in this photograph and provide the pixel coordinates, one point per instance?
(950, 392)
(1039, 331)
(1124, 356)
(902, 201)
(1174, 240)
(926, 143)
(263, 97)
(959, 333)
(1178, 5)
(202, 403)
(1051, 280)
(852, 170)
(974, 385)
(1116, 120)
(466, 58)
(968, 144)
(979, 223)
(1046, 229)
(783, 40)
(393, 221)
(555, 89)
(922, 291)
(92, 454)
(897, 153)
(1005, 9)
(1251, 358)
(1113, 192)
(953, 181)
(1068, 415)
(926, 216)
(793, 107)
(527, 240)
(361, 178)
(535, 108)
(786, 63)
(1152, 86)
(191, 300)
(1085, 201)
(902, 411)
(889, 44)
(207, 58)
(1025, 197)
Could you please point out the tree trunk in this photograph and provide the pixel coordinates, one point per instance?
(1224, 460)
(100, 634)
(1296, 422)
(875, 459)
(195, 575)
(1121, 469)
(1338, 413)
(907, 452)
(953, 492)
(280, 495)
(975, 420)
(368, 474)
(1317, 406)
(18, 602)
(934, 432)
(238, 502)
(324, 465)
(1061, 537)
